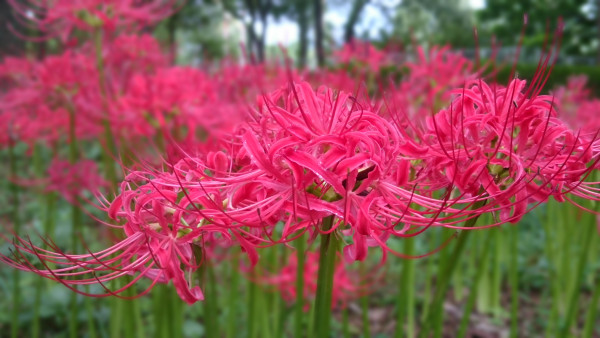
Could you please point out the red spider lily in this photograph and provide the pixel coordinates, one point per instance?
(506, 144)
(70, 179)
(169, 100)
(346, 286)
(305, 155)
(127, 56)
(577, 108)
(41, 99)
(427, 85)
(162, 233)
(58, 18)
(363, 53)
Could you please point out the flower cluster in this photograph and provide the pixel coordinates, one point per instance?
(262, 155)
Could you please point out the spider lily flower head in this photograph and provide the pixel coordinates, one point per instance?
(167, 100)
(129, 55)
(165, 233)
(428, 83)
(362, 54)
(305, 155)
(70, 179)
(577, 108)
(39, 99)
(59, 18)
(507, 146)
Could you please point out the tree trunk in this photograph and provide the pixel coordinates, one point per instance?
(9, 43)
(263, 14)
(598, 28)
(172, 30)
(318, 11)
(357, 8)
(302, 7)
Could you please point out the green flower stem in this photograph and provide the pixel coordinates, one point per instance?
(298, 307)
(464, 323)
(76, 219)
(252, 306)
(513, 280)
(232, 297)
(552, 229)
(364, 304)
(206, 276)
(592, 314)
(496, 285)
(345, 323)
(282, 312)
(14, 191)
(428, 279)
(405, 302)
(39, 285)
(212, 308)
(435, 314)
(573, 302)
(325, 280)
(110, 148)
(158, 305)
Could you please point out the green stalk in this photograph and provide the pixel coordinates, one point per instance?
(206, 277)
(252, 312)
(485, 284)
(428, 280)
(345, 324)
(76, 219)
(407, 294)
(435, 314)
(513, 279)
(577, 281)
(158, 307)
(14, 190)
(281, 305)
(108, 162)
(211, 314)
(232, 298)
(325, 280)
(466, 317)
(132, 308)
(496, 286)
(592, 314)
(551, 229)
(364, 303)
(39, 285)
(264, 329)
(298, 307)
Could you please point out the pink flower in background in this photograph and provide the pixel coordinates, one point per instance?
(346, 286)
(71, 179)
(363, 53)
(577, 108)
(59, 18)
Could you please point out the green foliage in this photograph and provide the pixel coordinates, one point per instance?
(559, 75)
(504, 18)
(434, 22)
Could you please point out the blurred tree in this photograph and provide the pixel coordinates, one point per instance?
(205, 29)
(504, 18)
(434, 22)
(357, 7)
(597, 41)
(9, 43)
(255, 15)
(301, 12)
(318, 16)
